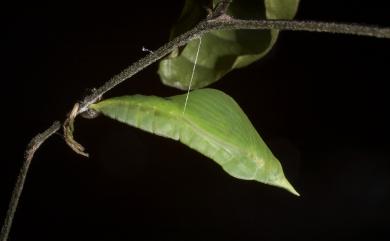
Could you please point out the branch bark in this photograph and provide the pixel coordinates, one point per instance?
(32, 147)
(218, 20)
(225, 22)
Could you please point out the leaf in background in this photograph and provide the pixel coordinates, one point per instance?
(213, 124)
(222, 51)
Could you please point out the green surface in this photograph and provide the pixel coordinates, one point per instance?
(222, 51)
(213, 124)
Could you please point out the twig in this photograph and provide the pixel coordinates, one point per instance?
(225, 22)
(220, 9)
(68, 127)
(32, 147)
(309, 26)
(217, 20)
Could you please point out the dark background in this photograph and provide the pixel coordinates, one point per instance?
(320, 101)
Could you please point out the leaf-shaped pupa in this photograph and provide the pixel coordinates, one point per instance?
(213, 124)
(223, 50)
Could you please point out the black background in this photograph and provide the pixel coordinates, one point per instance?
(320, 101)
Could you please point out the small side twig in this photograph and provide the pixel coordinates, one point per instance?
(68, 132)
(220, 9)
(32, 147)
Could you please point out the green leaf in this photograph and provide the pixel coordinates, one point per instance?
(213, 124)
(222, 51)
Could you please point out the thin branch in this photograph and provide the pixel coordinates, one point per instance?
(197, 31)
(309, 26)
(32, 147)
(225, 22)
(218, 21)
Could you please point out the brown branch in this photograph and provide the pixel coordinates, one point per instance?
(218, 20)
(225, 22)
(32, 147)
(228, 23)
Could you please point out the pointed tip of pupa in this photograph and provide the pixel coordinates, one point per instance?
(285, 184)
